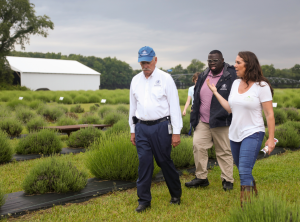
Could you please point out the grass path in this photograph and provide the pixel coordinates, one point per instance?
(279, 174)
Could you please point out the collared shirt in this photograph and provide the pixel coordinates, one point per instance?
(206, 96)
(154, 98)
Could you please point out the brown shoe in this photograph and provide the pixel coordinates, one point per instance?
(245, 194)
(254, 188)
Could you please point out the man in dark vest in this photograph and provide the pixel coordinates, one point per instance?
(211, 121)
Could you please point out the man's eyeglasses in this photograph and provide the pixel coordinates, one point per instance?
(212, 60)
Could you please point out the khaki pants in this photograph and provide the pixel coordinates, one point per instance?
(204, 138)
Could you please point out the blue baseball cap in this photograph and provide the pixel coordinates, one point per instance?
(146, 54)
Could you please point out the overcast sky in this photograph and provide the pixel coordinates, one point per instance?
(178, 30)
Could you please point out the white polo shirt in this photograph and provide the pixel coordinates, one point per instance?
(154, 98)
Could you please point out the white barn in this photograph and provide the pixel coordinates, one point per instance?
(54, 74)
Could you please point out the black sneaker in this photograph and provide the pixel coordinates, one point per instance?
(227, 185)
(197, 183)
(175, 200)
(142, 208)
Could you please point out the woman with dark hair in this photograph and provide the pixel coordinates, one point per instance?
(249, 95)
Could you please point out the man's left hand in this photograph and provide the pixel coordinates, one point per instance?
(175, 140)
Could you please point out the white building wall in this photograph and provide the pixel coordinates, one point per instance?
(56, 82)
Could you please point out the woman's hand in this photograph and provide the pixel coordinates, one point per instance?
(271, 145)
(184, 112)
(268, 110)
(211, 86)
(224, 103)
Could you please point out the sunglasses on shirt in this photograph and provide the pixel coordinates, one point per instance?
(212, 60)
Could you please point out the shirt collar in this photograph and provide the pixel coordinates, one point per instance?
(215, 76)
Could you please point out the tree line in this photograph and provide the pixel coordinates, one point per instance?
(292, 73)
(118, 74)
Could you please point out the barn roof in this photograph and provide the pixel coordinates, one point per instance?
(53, 66)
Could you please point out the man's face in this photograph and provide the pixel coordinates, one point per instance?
(215, 63)
(148, 67)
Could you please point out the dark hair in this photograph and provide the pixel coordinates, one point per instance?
(216, 52)
(195, 76)
(253, 70)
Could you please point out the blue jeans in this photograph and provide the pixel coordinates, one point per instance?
(244, 155)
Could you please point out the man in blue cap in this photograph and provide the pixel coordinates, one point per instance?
(155, 124)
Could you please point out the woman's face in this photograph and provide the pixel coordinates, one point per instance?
(240, 67)
(196, 81)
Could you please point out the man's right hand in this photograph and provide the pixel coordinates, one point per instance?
(132, 139)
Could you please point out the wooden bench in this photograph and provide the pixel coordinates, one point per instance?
(71, 128)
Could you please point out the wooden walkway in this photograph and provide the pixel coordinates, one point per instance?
(71, 128)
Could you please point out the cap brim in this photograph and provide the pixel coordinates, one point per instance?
(145, 59)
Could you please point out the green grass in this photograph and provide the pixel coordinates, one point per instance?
(266, 207)
(2, 196)
(277, 174)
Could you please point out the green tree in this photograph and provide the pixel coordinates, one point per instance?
(284, 73)
(17, 22)
(296, 71)
(268, 70)
(178, 70)
(118, 74)
(195, 66)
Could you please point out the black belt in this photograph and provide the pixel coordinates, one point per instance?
(153, 122)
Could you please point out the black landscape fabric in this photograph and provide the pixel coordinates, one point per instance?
(19, 203)
(18, 157)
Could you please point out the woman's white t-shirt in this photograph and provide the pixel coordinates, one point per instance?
(247, 110)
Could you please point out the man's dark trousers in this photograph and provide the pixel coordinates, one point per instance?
(155, 140)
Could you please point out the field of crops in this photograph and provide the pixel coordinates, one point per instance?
(284, 97)
(44, 108)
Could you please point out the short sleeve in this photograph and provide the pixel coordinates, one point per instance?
(191, 91)
(265, 94)
(233, 89)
